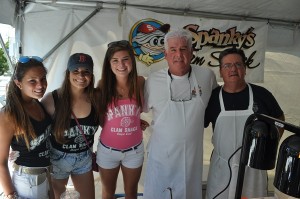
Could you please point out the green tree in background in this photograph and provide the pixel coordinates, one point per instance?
(3, 61)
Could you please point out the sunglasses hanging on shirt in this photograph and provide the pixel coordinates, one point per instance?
(181, 88)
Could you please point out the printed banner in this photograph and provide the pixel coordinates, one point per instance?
(146, 30)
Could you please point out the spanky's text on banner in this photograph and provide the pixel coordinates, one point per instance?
(145, 30)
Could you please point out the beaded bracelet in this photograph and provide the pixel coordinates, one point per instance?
(13, 195)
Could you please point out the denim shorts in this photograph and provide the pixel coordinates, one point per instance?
(109, 159)
(31, 186)
(66, 164)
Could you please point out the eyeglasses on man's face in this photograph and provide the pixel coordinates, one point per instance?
(123, 43)
(238, 65)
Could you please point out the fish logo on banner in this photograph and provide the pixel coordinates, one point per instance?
(147, 40)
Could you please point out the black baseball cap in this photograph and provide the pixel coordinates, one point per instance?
(80, 60)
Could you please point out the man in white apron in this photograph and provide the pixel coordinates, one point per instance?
(228, 110)
(178, 96)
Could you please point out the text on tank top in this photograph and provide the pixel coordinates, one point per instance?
(75, 142)
(38, 153)
(122, 126)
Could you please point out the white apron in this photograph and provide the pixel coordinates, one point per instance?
(174, 164)
(227, 137)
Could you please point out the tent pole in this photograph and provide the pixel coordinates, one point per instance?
(72, 32)
(6, 54)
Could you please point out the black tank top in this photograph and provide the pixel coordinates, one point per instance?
(38, 153)
(75, 141)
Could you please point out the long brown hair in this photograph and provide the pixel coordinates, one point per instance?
(14, 102)
(107, 84)
(63, 108)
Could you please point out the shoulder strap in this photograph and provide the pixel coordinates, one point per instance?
(55, 97)
(80, 129)
(45, 111)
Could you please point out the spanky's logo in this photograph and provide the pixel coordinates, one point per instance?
(147, 39)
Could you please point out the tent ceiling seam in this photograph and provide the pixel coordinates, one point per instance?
(186, 11)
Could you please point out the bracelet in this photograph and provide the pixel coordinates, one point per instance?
(13, 195)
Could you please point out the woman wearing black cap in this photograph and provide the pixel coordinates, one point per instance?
(73, 109)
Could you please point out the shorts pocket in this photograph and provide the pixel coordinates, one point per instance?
(31, 186)
(56, 155)
(140, 148)
(103, 149)
(22, 185)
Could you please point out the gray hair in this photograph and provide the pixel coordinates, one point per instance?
(180, 33)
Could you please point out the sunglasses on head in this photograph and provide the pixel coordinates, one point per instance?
(124, 43)
(25, 59)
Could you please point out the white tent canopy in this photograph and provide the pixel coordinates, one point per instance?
(56, 29)
(277, 11)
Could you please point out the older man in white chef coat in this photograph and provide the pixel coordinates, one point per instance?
(178, 96)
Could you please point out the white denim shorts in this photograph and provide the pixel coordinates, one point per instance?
(31, 186)
(109, 158)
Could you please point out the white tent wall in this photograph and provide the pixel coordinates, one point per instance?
(282, 70)
(7, 12)
(45, 26)
(43, 30)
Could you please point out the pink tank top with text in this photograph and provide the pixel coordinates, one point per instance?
(122, 126)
